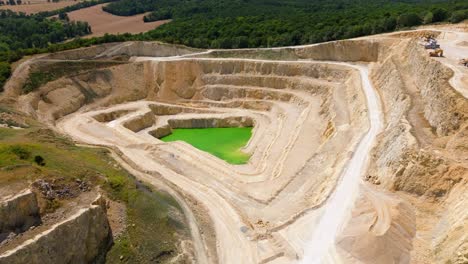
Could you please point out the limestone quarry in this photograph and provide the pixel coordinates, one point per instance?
(358, 153)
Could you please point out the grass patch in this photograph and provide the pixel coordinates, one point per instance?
(148, 238)
(152, 233)
(224, 143)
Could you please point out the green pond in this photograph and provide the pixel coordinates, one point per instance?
(224, 143)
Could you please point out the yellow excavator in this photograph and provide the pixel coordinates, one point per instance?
(437, 53)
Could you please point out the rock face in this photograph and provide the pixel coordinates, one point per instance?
(211, 122)
(19, 213)
(82, 238)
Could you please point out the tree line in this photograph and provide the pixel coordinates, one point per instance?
(224, 24)
(259, 23)
(22, 34)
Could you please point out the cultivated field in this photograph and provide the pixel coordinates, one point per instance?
(102, 22)
(32, 7)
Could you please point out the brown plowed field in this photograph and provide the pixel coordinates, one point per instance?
(38, 6)
(102, 22)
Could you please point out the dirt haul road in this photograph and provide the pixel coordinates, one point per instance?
(338, 207)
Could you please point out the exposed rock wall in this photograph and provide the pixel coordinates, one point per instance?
(343, 50)
(420, 148)
(130, 48)
(140, 122)
(83, 238)
(19, 212)
(445, 109)
(211, 122)
(101, 86)
(400, 162)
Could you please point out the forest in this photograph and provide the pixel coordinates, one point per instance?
(255, 23)
(225, 23)
(22, 35)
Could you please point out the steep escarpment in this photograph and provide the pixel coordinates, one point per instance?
(343, 50)
(419, 151)
(18, 213)
(82, 238)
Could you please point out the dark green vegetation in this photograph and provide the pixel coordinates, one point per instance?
(150, 236)
(155, 221)
(226, 23)
(23, 35)
(259, 23)
(224, 143)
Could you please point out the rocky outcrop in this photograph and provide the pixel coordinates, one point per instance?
(82, 238)
(343, 50)
(19, 213)
(419, 151)
(400, 164)
(140, 122)
(237, 121)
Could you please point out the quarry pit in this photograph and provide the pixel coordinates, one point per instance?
(357, 152)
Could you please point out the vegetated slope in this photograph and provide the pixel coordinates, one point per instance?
(254, 23)
(155, 220)
(228, 24)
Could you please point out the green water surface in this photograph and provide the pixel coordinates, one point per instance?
(224, 143)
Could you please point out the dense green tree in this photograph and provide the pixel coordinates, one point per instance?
(408, 20)
(459, 16)
(439, 14)
(4, 73)
(224, 23)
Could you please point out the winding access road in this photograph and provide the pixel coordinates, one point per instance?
(320, 248)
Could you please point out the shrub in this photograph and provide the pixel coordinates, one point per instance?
(459, 16)
(409, 20)
(439, 14)
(39, 160)
(20, 152)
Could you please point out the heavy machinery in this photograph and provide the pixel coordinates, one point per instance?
(432, 44)
(437, 53)
(464, 62)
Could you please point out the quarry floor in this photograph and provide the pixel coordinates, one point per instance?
(313, 232)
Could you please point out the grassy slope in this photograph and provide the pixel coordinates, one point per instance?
(156, 231)
(224, 143)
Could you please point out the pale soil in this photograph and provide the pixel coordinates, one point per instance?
(102, 22)
(38, 6)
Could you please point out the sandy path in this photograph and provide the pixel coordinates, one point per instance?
(102, 22)
(338, 207)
